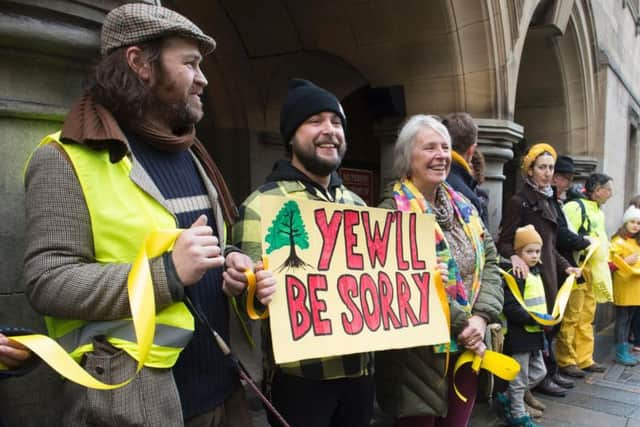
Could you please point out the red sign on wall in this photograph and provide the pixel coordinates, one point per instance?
(360, 181)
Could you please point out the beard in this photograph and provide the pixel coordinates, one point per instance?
(317, 165)
(179, 115)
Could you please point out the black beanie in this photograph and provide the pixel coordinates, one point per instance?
(303, 101)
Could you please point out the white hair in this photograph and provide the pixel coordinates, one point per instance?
(406, 137)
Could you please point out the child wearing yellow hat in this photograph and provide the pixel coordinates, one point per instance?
(525, 338)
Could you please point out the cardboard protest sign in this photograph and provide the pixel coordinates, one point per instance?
(350, 279)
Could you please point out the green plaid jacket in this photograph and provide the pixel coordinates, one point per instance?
(248, 237)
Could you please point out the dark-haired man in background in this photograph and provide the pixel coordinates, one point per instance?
(464, 141)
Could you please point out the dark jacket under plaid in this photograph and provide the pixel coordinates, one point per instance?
(286, 180)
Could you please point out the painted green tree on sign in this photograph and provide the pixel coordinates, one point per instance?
(288, 229)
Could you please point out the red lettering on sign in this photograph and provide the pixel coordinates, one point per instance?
(348, 290)
(416, 262)
(386, 296)
(369, 295)
(422, 281)
(299, 317)
(318, 282)
(329, 233)
(404, 295)
(377, 243)
(354, 260)
(402, 263)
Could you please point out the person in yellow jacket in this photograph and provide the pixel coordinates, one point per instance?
(575, 341)
(625, 254)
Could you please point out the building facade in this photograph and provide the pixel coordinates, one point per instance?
(561, 71)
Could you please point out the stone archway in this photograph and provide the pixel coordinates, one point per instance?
(556, 94)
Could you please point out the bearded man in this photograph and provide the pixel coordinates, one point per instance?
(126, 163)
(332, 391)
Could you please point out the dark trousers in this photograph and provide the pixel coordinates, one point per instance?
(549, 357)
(343, 402)
(635, 328)
(624, 319)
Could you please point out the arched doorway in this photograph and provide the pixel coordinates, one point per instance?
(556, 96)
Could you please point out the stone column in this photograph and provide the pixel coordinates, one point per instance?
(496, 139)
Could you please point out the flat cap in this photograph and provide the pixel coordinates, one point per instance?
(134, 23)
(564, 164)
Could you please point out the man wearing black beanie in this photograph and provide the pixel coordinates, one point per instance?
(333, 391)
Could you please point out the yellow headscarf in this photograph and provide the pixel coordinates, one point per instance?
(534, 152)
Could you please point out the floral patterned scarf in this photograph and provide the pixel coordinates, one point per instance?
(409, 199)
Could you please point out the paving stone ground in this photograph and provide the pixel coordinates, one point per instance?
(609, 399)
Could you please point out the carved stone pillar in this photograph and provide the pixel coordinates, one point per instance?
(496, 139)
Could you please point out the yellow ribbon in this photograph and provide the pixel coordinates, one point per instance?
(142, 303)
(623, 266)
(562, 297)
(498, 364)
(251, 293)
(444, 302)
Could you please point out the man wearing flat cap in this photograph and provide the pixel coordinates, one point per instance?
(331, 391)
(127, 163)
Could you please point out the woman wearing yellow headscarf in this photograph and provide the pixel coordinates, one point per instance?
(534, 204)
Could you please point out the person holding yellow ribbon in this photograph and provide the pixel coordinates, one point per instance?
(625, 257)
(634, 336)
(125, 166)
(534, 204)
(575, 342)
(524, 340)
(15, 358)
(327, 391)
(409, 382)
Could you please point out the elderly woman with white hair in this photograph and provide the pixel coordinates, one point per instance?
(410, 383)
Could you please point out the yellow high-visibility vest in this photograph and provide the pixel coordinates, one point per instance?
(122, 215)
(534, 298)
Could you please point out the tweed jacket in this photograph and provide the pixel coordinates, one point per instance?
(530, 207)
(63, 280)
(286, 180)
(409, 382)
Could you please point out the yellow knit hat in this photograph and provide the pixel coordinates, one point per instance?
(534, 152)
(524, 236)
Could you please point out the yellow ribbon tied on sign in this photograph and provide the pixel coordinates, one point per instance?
(562, 297)
(143, 310)
(251, 293)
